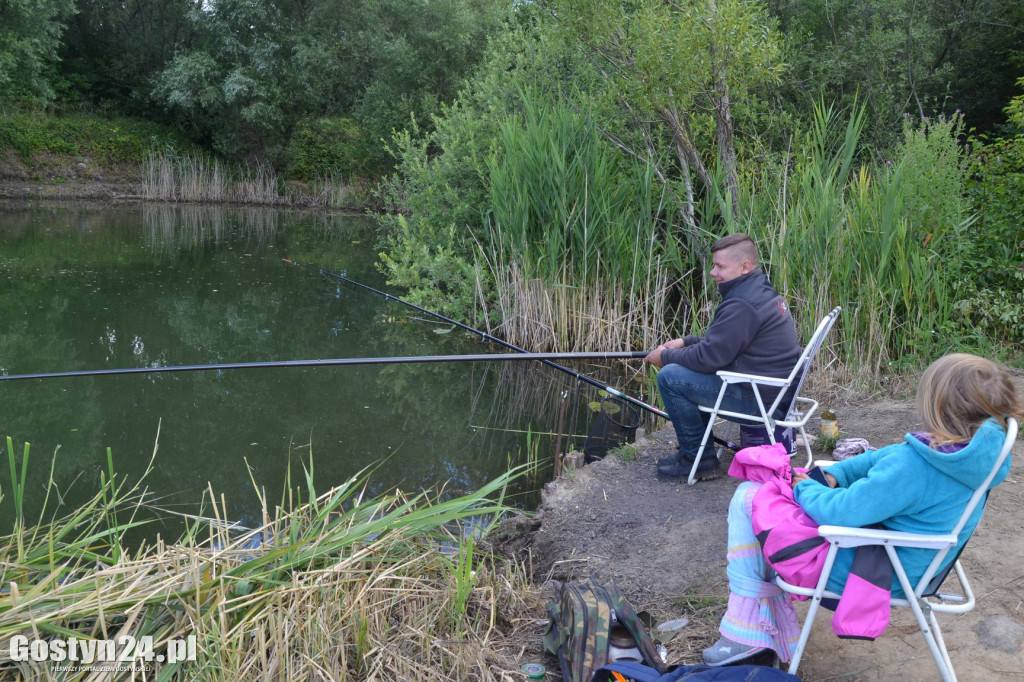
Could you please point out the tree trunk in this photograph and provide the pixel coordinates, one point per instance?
(723, 123)
(688, 159)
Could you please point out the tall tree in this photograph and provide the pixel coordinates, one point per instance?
(112, 49)
(259, 67)
(682, 63)
(902, 56)
(30, 32)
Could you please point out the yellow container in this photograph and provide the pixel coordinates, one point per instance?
(829, 426)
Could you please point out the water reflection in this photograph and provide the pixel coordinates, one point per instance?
(88, 288)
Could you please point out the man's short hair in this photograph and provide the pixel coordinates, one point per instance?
(744, 243)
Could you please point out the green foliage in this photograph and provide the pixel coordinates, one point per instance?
(666, 54)
(558, 200)
(30, 33)
(329, 146)
(417, 56)
(874, 51)
(899, 56)
(934, 175)
(435, 267)
(111, 50)
(108, 141)
(678, 67)
(991, 288)
(260, 72)
(855, 236)
(439, 192)
(322, 567)
(627, 452)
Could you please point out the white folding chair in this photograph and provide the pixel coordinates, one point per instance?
(798, 412)
(925, 600)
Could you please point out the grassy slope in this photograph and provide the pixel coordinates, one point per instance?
(55, 149)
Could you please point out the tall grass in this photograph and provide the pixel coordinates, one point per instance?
(576, 244)
(189, 177)
(198, 178)
(331, 586)
(195, 177)
(846, 235)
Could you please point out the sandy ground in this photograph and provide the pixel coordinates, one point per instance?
(664, 545)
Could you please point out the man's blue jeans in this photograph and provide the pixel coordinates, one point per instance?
(683, 390)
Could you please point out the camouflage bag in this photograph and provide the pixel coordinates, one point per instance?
(581, 620)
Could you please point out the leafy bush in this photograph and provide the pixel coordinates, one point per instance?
(329, 147)
(108, 141)
(436, 268)
(881, 239)
(991, 287)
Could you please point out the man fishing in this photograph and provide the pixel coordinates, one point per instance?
(751, 332)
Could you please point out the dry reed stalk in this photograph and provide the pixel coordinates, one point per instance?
(194, 178)
(566, 318)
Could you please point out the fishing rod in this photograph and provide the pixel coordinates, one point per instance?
(488, 337)
(393, 360)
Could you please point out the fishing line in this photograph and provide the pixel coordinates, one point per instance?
(487, 337)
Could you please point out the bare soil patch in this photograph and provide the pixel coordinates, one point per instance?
(664, 545)
(54, 176)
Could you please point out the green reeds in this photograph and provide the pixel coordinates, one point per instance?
(18, 480)
(337, 586)
(577, 244)
(841, 233)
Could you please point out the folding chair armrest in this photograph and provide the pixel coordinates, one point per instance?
(803, 591)
(799, 418)
(855, 537)
(738, 378)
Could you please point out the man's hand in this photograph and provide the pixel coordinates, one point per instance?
(654, 357)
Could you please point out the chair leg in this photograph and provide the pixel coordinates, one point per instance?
(812, 608)
(936, 644)
(805, 634)
(708, 434)
(926, 621)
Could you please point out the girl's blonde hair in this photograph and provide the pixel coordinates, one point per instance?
(960, 391)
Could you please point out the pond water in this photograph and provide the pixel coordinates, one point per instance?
(96, 287)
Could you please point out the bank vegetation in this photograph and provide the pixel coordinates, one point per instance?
(329, 585)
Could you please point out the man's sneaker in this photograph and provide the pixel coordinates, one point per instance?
(706, 470)
(726, 651)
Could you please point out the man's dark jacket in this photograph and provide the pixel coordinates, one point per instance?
(752, 332)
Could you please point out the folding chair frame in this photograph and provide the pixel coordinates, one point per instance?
(798, 412)
(920, 602)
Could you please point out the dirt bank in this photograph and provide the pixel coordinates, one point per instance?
(664, 545)
(55, 176)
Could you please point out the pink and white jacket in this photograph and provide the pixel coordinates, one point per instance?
(792, 547)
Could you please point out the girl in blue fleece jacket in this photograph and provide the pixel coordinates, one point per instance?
(920, 485)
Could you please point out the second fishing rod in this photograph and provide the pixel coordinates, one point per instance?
(485, 336)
